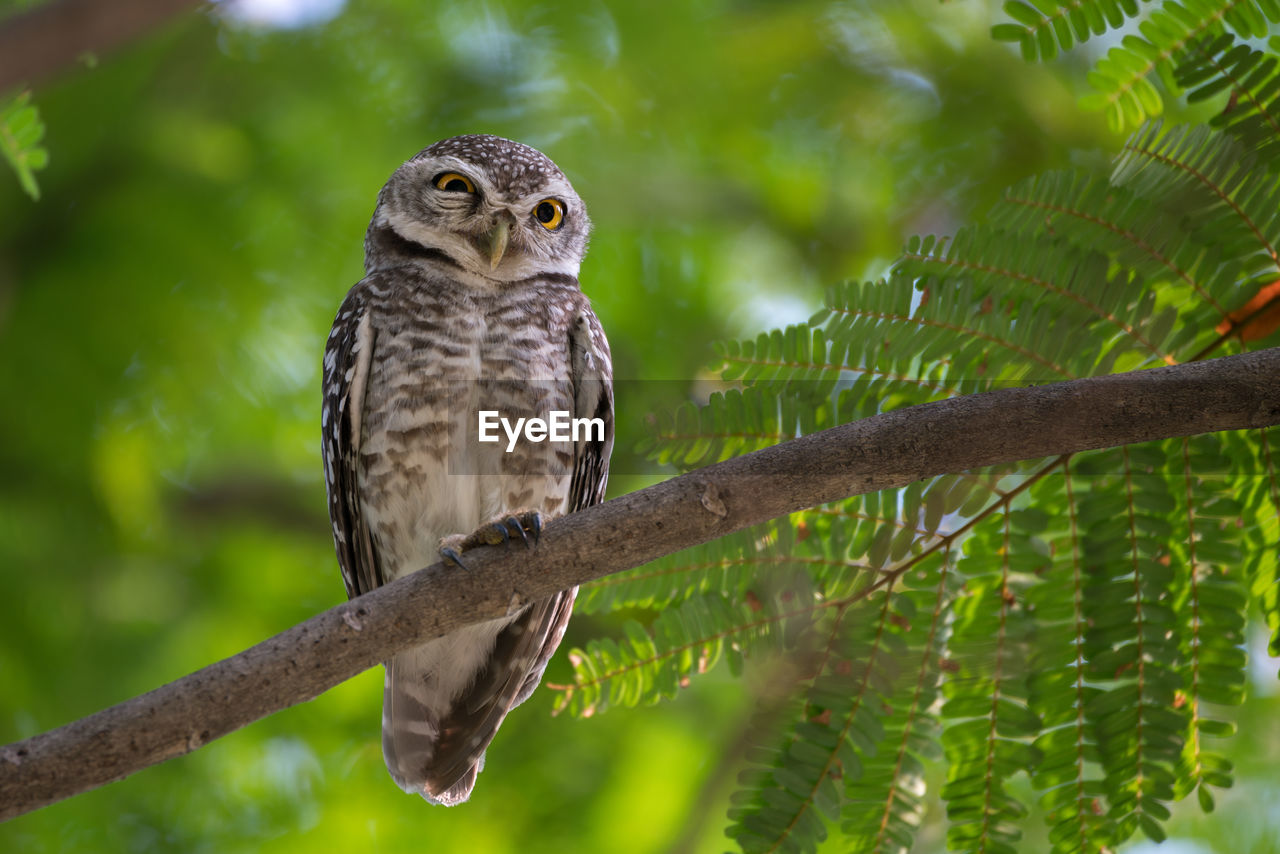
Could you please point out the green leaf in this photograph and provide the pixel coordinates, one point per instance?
(20, 133)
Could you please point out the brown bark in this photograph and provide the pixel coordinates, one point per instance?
(889, 450)
(42, 41)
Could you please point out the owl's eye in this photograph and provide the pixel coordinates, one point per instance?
(454, 182)
(549, 212)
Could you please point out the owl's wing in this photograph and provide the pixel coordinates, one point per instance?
(347, 357)
(523, 648)
(593, 398)
(592, 374)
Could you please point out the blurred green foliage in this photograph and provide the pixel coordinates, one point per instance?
(20, 133)
(163, 308)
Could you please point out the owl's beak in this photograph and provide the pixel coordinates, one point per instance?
(497, 240)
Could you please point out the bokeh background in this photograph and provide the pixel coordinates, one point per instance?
(164, 305)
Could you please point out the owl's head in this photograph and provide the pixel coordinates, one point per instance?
(492, 210)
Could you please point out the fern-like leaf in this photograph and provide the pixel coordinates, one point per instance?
(1232, 209)
(789, 791)
(1058, 689)
(1252, 79)
(1132, 645)
(989, 723)
(728, 567)
(1081, 287)
(1259, 498)
(652, 664)
(1045, 26)
(884, 820)
(1122, 79)
(20, 133)
(1217, 601)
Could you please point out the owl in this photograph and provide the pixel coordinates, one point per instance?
(470, 309)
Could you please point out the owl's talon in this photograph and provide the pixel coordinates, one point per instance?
(452, 554)
(495, 534)
(528, 525)
(511, 523)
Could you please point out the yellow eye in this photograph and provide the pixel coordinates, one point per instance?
(549, 212)
(454, 182)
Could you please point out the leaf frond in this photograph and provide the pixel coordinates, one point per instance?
(1044, 27)
(20, 133)
(1251, 77)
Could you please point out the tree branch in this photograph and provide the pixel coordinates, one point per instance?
(41, 41)
(889, 450)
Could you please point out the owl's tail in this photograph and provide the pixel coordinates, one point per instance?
(444, 700)
(411, 738)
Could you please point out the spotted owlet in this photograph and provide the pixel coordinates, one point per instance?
(469, 317)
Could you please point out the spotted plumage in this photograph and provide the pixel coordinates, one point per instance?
(470, 302)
